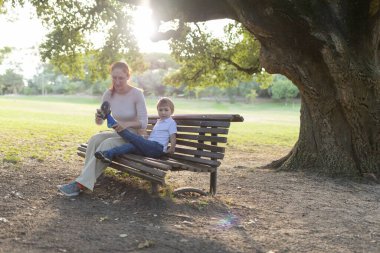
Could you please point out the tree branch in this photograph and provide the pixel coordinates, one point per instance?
(185, 11)
(250, 70)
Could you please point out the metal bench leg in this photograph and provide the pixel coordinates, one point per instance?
(213, 183)
(155, 188)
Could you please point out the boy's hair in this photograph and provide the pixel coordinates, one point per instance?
(166, 102)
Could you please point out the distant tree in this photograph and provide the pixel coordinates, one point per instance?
(151, 82)
(4, 51)
(283, 88)
(11, 82)
(160, 61)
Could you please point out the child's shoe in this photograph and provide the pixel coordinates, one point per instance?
(101, 156)
(105, 111)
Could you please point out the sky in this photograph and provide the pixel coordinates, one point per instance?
(21, 30)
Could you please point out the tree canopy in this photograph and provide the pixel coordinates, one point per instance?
(70, 44)
(3, 52)
(206, 60)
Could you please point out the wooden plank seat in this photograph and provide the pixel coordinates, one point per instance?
(201, 140)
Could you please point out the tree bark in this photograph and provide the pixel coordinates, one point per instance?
(331, 52)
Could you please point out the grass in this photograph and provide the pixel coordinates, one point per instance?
(50, 127)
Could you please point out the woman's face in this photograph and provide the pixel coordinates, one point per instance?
(119, 80)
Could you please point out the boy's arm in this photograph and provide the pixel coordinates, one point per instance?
(173, 141)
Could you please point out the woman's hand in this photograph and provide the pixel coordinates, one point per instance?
(98, 117)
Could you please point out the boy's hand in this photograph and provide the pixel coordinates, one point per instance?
(118, 127)
(143, 133)
(171, 150)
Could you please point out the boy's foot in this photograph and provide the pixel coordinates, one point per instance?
(101, 156)
(105, 109)
(70, 190)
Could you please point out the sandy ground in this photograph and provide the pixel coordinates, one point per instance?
(255, 210)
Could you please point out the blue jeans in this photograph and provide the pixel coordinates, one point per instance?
(137, 145)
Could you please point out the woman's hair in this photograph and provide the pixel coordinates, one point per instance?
(119, 65)
(166, 102)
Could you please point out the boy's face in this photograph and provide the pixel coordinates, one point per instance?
(164, 112)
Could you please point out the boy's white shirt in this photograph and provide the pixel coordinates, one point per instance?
(162, 131)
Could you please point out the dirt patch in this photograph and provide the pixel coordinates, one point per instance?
(255, 210)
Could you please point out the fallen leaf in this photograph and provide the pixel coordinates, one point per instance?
(103, 218)
(3, 220)
(145, 244)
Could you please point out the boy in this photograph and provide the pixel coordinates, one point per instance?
(164, 131)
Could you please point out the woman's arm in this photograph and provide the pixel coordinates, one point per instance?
(142, 114)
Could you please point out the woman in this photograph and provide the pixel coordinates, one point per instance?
(129, 110)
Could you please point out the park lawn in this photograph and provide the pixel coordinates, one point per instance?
(50, 127)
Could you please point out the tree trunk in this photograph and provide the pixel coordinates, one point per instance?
(337, 73)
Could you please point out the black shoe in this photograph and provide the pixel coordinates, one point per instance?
(105, 109)
(100, 155)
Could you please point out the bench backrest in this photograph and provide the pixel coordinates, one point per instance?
(200, 138)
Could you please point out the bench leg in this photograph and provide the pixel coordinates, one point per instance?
(155, 188)
(213, 183)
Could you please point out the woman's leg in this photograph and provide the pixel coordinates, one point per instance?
(93, 168)
(95, 141)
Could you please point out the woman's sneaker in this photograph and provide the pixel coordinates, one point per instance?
(70, 190)
(101, 156)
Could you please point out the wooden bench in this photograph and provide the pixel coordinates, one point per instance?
(201, 141)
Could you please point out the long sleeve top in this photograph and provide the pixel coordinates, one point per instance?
(128, 107)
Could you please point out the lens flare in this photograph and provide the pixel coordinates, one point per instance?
(229, 221)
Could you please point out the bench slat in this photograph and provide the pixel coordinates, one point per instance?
(134, 161)
(82, 149)
(202, 130)
(225, 124)
(135, 172)
(212, 148)
(147, 161)
(202, 138)
(142, 167)
(194, 159)
(184, 165)
(187, 129)
(215, 117)
(131, 171)
(199, 153)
